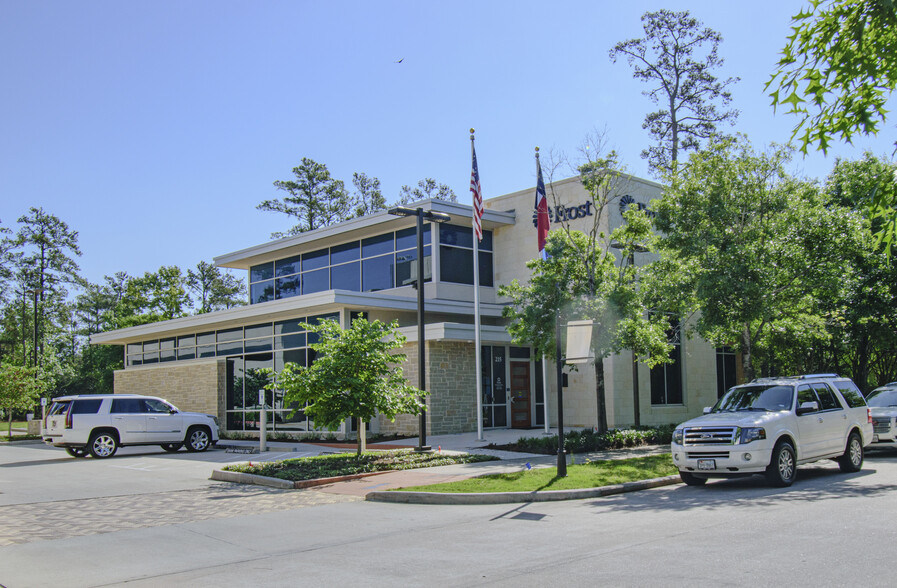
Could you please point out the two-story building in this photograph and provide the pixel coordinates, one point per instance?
(367, 266)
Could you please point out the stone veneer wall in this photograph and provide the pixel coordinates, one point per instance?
(451, 405)
(192, 387)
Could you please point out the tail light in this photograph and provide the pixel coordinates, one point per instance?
(869, 415)
(68, 416)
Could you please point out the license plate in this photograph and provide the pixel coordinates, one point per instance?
(706, 464)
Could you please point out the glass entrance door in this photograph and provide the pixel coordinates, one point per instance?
(521, 409)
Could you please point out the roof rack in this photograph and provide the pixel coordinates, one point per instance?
(814, 376)
(801, 377)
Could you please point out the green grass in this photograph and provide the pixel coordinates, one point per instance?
(344, 464)
(588, 475)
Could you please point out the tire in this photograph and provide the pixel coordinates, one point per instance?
(782, 467)
(171, 447)
(76, 451)
(198, 439)
(691, 479)
(852, 460)
(102, 444)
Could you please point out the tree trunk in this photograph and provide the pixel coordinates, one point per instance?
(746, 360)
(362, 437)
(599, 393)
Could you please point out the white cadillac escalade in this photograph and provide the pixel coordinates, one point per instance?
(101, 423)
(772, 425)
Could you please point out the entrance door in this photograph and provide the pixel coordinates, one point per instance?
(520, 395)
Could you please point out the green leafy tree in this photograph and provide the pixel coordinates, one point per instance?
(671, 56)
(20, 387)
(315, 199)
(215, 289)
(758, 248)
(426, 189)
(368, 196)
(582, 280)
(356, 374)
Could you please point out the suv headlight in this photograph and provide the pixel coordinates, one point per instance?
(678, 436)
(749, 434)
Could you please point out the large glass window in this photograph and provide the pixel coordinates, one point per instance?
(495, 407)
(666, 378)
(725, 370)
(456, 255)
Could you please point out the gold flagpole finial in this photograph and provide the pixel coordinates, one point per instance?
(537, 153)
(472, 131)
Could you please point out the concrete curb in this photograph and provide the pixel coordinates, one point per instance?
(241, 478)
(399, 496)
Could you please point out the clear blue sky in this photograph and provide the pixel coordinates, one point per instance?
(154, 128)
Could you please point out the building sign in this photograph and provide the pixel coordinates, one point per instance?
(563, 213)
(626, 200)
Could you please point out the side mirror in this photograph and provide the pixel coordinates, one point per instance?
(707, 409)
(807, 407)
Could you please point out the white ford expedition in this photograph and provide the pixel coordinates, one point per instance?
(772, 425)
(99, 424)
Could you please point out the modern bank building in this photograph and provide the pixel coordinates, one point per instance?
(367, 267)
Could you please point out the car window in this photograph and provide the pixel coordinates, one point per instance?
(157, 406)
(59, 407)
(851, 393)
(769, 398)
(90, 406)
(805, 394)
(827, 399)
(883, 397)
(127, 405)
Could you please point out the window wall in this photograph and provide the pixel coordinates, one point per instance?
(367, 265)
(666, 378)
(456, 255)
(247, 351)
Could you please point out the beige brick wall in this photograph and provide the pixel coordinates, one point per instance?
(192, 387)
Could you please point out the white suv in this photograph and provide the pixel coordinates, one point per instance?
(99, 424)
(772, 425)
(883, 404)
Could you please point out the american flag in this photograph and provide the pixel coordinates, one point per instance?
(542, 220)
(477, 196)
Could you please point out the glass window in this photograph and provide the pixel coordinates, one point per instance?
(377, 245)
(520, 352)
(377, 273)
(346, 277)
(281, 358)
(725, 370)
(156, 406)
(151, 357)
(135, 348)
(287, 287)
(127, 406)
(288, 266)
(315, 259)
(205, 351)
(345, 252)
(151, 346)
(205, 338)
(666, 379)
(256, 345)
(827, 400)
(406, 267)
(255, 331)
(455, 235)
(187, 341)
(167, 343)
(234, 384)
(485, 268)
(851, 393)
(456, 265)
(232, 348)
(230, 334)
(407, 238)
(261, 292)
(806, 394)
(316, 281)
(90, 406)
(498, 377)
(289, 341)
(259, 273)
(167, 355)
(186, 353)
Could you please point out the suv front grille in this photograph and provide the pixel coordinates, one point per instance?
(710, 436)
(707, 454)
(881, 424)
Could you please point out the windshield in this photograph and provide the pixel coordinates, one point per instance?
(882, 397)
(761, 398)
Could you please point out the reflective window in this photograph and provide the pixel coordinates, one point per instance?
(377, 245)
(263, 330)
(287, 287)
(346, 277)
(345, 252)
(261, 292)
(316, 281)
(259, 273)
(315, 259)
(406, 267)
(288, 266)
(407, 238)
(230, 334)
(377, 273)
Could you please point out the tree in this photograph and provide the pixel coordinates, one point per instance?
(20, 388)
(315, 199)
(426, 189)
(685, 86)
(581, 276)
(215, 289)
(356, 374)
(838, 70)
(368, 196)
(757, 248)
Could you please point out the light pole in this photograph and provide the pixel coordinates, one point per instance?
(562, 453)
(35, 292)
(436, 217)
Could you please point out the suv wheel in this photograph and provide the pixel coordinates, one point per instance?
(102, 444)
(783, 466)
(691, 479)
(76, 451)
(852, 460)
(198, 439)
(171, 447)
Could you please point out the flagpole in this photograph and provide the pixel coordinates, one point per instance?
(545, 389)
(476, 312)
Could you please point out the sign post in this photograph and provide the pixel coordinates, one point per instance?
(263, 423)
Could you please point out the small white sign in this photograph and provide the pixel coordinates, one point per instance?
(43, 402)
(579, 342)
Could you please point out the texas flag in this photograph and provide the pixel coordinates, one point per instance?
(542, 220)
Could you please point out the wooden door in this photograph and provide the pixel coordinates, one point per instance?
(520, 395)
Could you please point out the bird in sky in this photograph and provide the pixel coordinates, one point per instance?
(400, 60)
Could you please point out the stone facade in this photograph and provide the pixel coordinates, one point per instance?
(192, 387)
